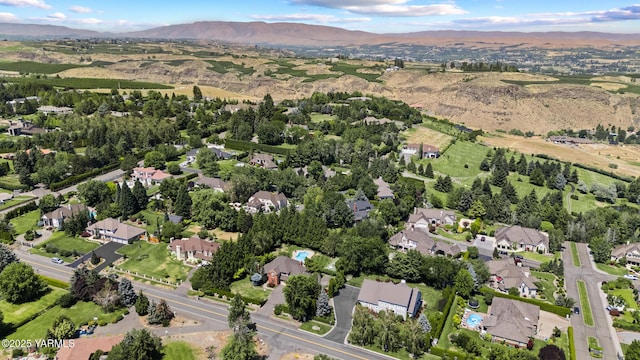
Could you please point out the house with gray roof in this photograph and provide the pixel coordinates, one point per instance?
(264, 161)
(419, 240)
(521, 238)
(281, 268)
(111, 229)
(507, 274)
(425, 218)
(387, 296)
(512, 321)
(629, 252)
(360, 209)
(266, 202)
(384, 190)
(216, 184)
(56, 217)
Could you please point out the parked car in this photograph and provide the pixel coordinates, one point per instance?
(576, 310)
(631, 277)
(56, 260)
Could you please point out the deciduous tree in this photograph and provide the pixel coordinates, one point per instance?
(301, 294)
(19, 283)
(62, 328)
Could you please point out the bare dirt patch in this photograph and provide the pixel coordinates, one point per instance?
(297, 356)
(598, 155)
(202, 340)
(609, 86)
(426, 136)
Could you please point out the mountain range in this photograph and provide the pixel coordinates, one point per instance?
(296, 34)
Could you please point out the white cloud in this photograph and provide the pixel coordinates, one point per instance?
(89, 21)
(7, 17)
(318, 18)
(25, 3)
(386, 7)
(80, 9)
(57, 16)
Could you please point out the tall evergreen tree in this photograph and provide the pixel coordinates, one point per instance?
(183, 202)
(118, 192)
(428, 171)
(140, 194)
(522, 165)
(500, 172)
(128, 203)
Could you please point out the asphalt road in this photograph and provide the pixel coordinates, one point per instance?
(282, 337)
(602, 330)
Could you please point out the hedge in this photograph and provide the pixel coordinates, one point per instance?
(14, 213)
(621, 324)
(8, 186)
(605, 173)
(72, 180)
(229, 294)
(249, 146)
(55, 282)
(572, 345)
(438, 351)
(544, 306)
(445, 315)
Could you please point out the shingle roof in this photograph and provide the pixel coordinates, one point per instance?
(430, 214)
(83, 347)
(518, 234)
(196, 244)
(512, 319)
(623, 250)
(65, 211)
(285, 265)
(384, 191)
(399, 294)
(424, 242)
(214, 183)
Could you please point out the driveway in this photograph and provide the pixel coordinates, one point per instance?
(106, 251)
(343, 305)
(276, 297)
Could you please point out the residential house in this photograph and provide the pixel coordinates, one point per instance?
(629, 252)
(264, 161)
(56, 217)
(562, 139)
(113, 230)
(384, 190)
(266, 202)
(416, 239)
(55, 110)
(507, 274)
(24, 127)
(360, 209)
(18, 101)
(4, 197)
(280, 268)
(193, 249)
(425, 218)
(428, 151)
(148, 176)
(512, 321)
(304, 171)
(220, 154)
(216, 184)
(387, 296)
(84, 347)
(520, 238)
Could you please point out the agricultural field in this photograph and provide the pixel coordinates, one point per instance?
(90, 83)
(26, 67)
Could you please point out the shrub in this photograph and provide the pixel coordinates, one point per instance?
(572, 345)
(102, 322)
(614, 312)
(66, 301)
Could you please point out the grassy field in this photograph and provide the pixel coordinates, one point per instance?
(80, 313)
(322, 327)
(245, 288)
(25, 222)
(421, 134)
(12, 180)
(453, 160)
(64, 242)
(587, 315)
(318, 118)
(574, 255)
(223, 67)
(546, 280)
(153, 260)
(17, 313)
(444, 342)
(36, 67)
(178, 350)
(613, 270)
(15, 201)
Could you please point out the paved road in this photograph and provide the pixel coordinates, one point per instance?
(602, 330)
(343, 304)
(281, 337)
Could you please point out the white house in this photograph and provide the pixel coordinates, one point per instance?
(387, 296)
(266, 202)
(520, 238)
(56, 217)
(425, 218)
(505, 274)
(148, 176)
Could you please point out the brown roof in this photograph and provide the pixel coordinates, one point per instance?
(128, 232)
(285, 265)
(430, 214)
(399, 294)
(196, 244)
(522, 235)
(279, 200)
(214, 183)
(83, 347)
(622, 250)
(424, 242)
(512, 320)
(384, 191)
(264, 160)
(109, 224)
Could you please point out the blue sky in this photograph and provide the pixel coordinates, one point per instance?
(380, 16)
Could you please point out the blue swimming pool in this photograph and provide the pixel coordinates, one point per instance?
(301, 255)
(474, 320)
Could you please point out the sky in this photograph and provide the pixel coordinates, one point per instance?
(378, 16)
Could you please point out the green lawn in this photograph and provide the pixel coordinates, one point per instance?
(430, 296)
(308, 326)
(151, 218)
(318, 118)
(587, 316)
(153, 260)
(613, 270)
(246, 289)
(15, 201)
(444, 342)
(546, 281)
(533, 255)
(178, 350)
(25, 222)
(226, 166)
(67, 243)
(595, 345)
(574, 255)
(627, 295)
(80, 313)
(12, 180)
(17, 313)
(457, 155)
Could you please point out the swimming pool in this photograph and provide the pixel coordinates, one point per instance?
(474, 320)
(301, 255)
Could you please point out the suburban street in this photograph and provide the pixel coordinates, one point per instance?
(282, 337)
(593, 278)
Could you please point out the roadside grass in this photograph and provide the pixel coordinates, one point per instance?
(245, 288)
(594, 345)
(63, 242)
(15, 201)
(17, 313)
(574, 255)
(546, 282)
(80, 313)
(309, 326)
(153, 260)
(401, 354)
(587, 315)
(25, 222)
(612, 270)
(179, 350)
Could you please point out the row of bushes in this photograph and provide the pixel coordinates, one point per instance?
(572, 345)
(6, 237)
(21, 210)
(449, 354)
(604, 172)
(228, 294)
(72, 180)
(8, 186)
(622, 324)
(51, 249)
(249, 146)
(545, 306)
(445, 315)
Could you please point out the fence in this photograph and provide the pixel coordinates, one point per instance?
(146, 277)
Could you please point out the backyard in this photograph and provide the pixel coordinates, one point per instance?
(65, 247)
(19, 313)
(178, 350)
(25, 222)
(153, 260)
